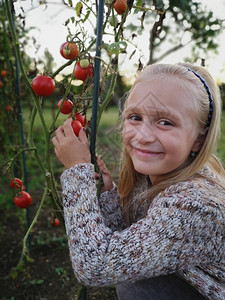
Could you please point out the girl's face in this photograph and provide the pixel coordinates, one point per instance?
(160, 128)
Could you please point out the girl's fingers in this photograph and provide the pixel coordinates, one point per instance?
(55, 141)
(56, 152)
(96, 176)
(100, 162)
(59, 134)
(83, 136)
(101, 166)
(106, 176)
(68, 130)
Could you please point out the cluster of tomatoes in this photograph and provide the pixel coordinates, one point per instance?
(66, 107)
(55, 222)
(22, 199)
(44, 86)
(83, 69)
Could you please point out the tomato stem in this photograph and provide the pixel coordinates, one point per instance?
(30, 138)
(18, 154)
(31, 226)
(148, 9)
(64, 98)
(107, 98)
(61, 68)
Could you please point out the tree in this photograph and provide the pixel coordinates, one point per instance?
(180, 22)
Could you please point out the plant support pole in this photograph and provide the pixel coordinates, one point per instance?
(96, 78)
(21, 129)
(97, 66)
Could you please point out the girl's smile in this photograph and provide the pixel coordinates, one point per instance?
(147, 153)
(159, 132)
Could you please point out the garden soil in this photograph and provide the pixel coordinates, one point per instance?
(49, 275)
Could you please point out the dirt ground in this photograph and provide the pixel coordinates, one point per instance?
(50, 275)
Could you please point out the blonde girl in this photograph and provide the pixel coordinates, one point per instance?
(161, 235)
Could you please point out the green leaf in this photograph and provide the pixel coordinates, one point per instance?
(138, 3)
(13, 274)
(78, 9)
(67, 22)
(116, 48)
(36, 281)
(86, 16)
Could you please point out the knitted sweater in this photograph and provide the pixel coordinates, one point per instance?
(181, 231)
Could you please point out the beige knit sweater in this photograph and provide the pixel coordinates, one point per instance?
(181, 231)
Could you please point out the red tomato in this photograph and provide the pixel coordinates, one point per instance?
(1, 84)
(83, 73)
(76, 125)
(43, 86)
(67, 106)
(55, 222)
(69, 50)
(81, 119)
(8, 107)
(120, 6)
(16, 183)
(4, 73)
(23, 200)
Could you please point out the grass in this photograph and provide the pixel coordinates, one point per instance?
(108, 142)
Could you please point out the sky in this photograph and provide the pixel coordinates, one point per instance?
(51, 33)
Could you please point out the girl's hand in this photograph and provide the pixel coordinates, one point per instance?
(69, 149)
(106, 176)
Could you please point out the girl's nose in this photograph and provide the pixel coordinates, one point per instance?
(146, 133)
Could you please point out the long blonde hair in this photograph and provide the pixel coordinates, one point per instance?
(192, 85)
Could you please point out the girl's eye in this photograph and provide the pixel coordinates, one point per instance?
(135, 118)
(165, 123)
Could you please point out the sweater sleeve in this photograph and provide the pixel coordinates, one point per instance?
(176, 233)
(111, 209)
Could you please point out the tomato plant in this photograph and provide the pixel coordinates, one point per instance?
(23, 200)
(69, 50)
(120, 6)
(55, 222)
(76, 125)
(43, 86)
(83, 73)
(16, 183)
(81, 119)
(81, 96)
(67, 106)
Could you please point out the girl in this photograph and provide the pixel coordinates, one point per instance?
(161, 236)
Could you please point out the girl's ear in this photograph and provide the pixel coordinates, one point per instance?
(198, 143)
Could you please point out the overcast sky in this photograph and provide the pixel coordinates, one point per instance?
(51, 33)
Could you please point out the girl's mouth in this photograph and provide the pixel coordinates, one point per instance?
(147, 153)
